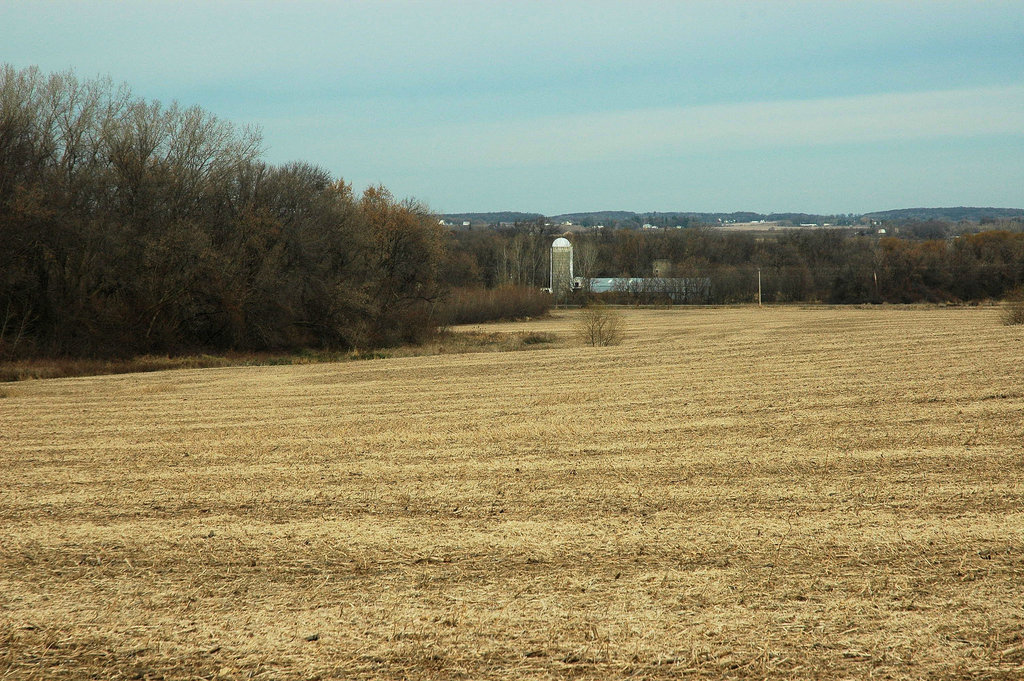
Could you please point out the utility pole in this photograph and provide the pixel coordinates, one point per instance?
(759, 287)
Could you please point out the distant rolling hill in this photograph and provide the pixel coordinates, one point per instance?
(957, 214)
(596, 216)
(494, 218)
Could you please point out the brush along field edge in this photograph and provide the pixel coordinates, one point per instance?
(795, 493)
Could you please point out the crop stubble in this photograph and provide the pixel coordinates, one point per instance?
(805, 493)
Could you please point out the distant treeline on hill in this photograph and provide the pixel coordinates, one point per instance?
(958, 214)
(496, 218)
(666, 219)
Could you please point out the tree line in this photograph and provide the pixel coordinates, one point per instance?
(131, 227)
(821, 265)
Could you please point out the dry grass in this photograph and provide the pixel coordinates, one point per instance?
(475, 305)
(1013, 312)
(443, 342)
(731, 493)
(30, 369)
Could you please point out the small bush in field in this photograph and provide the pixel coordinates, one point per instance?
(1013, 312)
(538, 338)
(599, 324)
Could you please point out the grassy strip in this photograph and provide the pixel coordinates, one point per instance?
(448, 342)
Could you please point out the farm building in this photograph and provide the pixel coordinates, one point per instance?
(676, 289)
(561, 268)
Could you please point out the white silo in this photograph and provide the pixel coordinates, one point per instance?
(561, 268)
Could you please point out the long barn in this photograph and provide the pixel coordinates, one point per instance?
(678, 289)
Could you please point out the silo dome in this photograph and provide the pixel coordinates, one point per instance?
(561, 242)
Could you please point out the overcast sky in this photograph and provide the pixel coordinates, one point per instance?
(553, 107)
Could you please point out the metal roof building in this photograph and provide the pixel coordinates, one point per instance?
(692, 289)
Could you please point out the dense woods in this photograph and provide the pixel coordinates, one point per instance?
(130, 227)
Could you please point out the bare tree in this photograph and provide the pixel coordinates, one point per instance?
(598, 325)
(584, 257)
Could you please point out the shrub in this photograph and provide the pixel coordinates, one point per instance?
(537, 338)
(477, 305)
(599, 324)
(1013, 311)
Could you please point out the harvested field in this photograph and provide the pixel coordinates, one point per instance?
(731, 493)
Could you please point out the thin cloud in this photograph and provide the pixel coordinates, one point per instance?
(660, 132)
